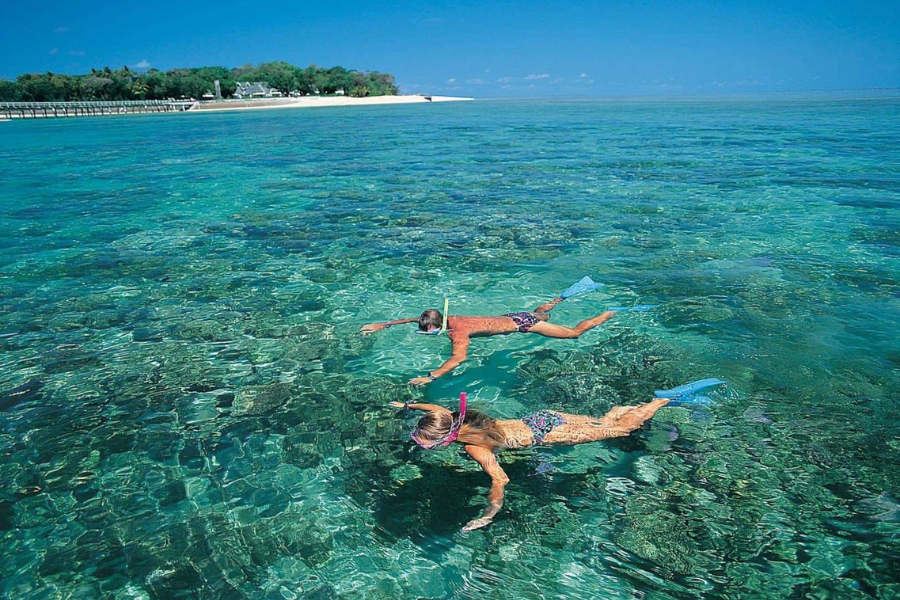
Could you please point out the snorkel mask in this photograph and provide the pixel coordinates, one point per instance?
(443, 325)
(432, 332)
(455, 426)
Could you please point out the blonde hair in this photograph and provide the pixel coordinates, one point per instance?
(477, 428)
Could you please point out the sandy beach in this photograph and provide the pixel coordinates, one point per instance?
(319, 101)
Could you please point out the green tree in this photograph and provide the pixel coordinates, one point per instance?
(96, 87)
(381, 84)
(8, 92)
(306, 80)
(282, 76)
(225, 77)
(155, 81)
(139, 88)
(358, 87)
(184, 83)
(36, 87)
(329, 81)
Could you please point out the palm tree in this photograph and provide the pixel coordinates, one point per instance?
(139, 88)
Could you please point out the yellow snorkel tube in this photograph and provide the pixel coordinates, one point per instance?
(446, 310)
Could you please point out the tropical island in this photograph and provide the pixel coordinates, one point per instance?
(277, 79)
(202, 89)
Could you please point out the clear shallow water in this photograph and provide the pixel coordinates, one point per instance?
(187, 411)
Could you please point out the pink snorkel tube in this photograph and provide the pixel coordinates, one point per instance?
(454, 429)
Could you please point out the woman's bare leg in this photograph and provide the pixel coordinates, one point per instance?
(618, 422)
(633, 419)
(560, 331)
(545, 308)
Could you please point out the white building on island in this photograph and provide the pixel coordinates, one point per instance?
(255, 89)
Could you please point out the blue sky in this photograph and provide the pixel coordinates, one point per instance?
(521, 48)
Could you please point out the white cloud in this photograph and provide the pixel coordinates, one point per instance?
(143, 64)
(62, 30)
(583, 75)
(77, 52)
(475, 81)
(54, 51)
(533, 77)
(505, 79)
(451, 80)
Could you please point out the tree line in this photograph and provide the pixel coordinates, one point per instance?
(128, 84)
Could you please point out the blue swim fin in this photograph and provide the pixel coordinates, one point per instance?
(685, 394)
(698, 400)
(635, 308)
(585, 285)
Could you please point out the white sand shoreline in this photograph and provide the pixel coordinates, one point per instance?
(318, 101)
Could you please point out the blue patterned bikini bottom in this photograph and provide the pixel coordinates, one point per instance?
(542, 423)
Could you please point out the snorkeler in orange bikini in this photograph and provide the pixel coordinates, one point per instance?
(461, 329)
(484, 437)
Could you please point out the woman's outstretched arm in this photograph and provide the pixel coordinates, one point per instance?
(488, 462)
(373, 327)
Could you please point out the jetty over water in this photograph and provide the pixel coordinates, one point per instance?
(49, 110)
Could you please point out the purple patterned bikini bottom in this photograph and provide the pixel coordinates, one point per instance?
(523, 320)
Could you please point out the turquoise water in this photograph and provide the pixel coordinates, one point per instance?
(187, 410)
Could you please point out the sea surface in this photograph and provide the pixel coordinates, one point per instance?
(187, 409)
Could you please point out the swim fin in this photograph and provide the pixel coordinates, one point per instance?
(585, 285)
(699, 400)
(685, 393)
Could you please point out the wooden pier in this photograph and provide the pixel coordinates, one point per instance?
(50, 110)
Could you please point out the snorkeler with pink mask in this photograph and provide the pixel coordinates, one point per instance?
(483, 437)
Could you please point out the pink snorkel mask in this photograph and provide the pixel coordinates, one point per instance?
(454, 428)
